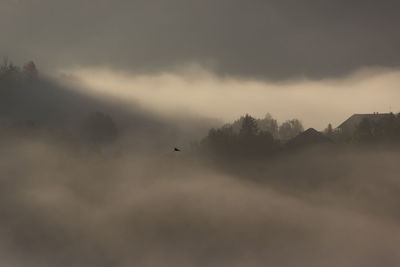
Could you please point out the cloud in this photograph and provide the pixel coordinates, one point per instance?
(261, 39)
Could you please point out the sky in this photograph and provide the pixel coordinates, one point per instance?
(302, 59)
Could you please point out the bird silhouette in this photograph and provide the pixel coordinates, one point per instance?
(176, 149)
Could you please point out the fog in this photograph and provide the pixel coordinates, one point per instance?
(197, 90)
(316, 208)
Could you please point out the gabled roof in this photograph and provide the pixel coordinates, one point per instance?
(351, 123)
(309, 137)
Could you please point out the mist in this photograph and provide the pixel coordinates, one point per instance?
(199, 91)
(64, 209)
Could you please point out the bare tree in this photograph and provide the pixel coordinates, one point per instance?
(290, 129)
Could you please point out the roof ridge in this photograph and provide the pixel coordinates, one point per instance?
(355, 115)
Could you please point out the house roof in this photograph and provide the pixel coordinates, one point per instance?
(308, 137)
(352, 122)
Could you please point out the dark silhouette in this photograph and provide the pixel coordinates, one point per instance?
(308, 138)
(290, 129)
(269, 124)
(30, 70)
(329, 131)
(248, 142)
(349, 127)
(177, 149)
(249, 127)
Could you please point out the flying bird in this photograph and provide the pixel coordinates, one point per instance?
(176, 149)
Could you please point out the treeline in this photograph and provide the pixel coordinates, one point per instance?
(287, 130)
(9, 71)
(250, 137)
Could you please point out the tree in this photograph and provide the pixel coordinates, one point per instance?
(4, 65)
(30, 70)
(290, 129)
(8, 69)
(329, 131)
(249, 126)
(220, 141)
(237, 124)
(268, 124)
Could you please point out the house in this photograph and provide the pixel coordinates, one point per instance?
(307, 138)
(349, 126)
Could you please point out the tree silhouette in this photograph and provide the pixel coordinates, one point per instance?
(329, 130)
(249, 126)
(248, 142)
(30, 70)
(269, 124)
(8, 69)
(290, 129)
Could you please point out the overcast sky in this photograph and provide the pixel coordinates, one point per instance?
(274, 39)
(237, 43)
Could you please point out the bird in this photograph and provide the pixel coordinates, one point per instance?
(176, 149)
